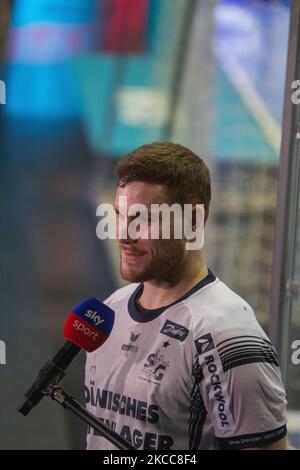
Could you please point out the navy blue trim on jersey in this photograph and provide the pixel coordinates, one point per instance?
(143, 315)
(252, 440)
(248, 349)
(197, 408)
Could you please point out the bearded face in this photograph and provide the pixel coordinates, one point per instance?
(146, 259)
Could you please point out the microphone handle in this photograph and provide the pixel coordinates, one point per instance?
(66, 354)
(50, 374)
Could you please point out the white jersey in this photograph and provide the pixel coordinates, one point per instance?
(197, 374)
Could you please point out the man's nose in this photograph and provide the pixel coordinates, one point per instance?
(122, 232)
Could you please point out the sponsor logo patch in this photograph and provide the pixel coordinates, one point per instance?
(204, 343)
(173, 330)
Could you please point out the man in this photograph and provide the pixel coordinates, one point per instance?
(187, 366)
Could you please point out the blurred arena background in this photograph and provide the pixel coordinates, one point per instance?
(86, 82)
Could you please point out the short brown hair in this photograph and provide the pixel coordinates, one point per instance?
(184, 174)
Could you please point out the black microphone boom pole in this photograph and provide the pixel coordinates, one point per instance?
(46, 385)
(50, 374)
(68, 402)
(87, 327)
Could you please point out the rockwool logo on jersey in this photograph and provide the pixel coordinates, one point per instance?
(217, 389)
(93, 315)
(2, 353)
(214, 377)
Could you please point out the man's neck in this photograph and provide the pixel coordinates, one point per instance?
(158, 294)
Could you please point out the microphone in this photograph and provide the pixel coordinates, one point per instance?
(87, 327)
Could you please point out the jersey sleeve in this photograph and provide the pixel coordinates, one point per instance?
(241, 387)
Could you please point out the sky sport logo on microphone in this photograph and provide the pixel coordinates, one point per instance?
(2, 353)
(96, 320)
(89, 324)
(2, 92)
(79, 326)
(93, 315)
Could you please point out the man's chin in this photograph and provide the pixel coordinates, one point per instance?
(134, 276)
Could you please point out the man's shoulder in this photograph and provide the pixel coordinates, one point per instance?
(216, 295)
(121, 293)
(218, 308)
